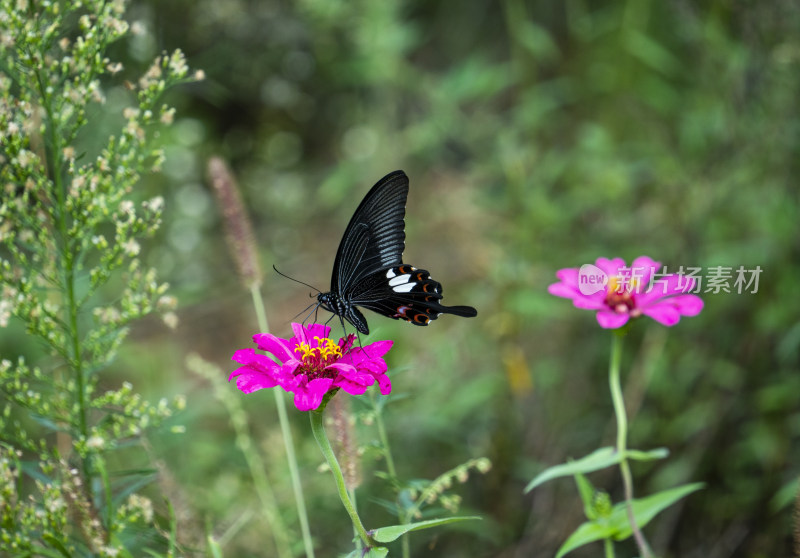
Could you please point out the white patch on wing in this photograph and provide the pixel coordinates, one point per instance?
(390, 274)
(403, 288)
(399, 280)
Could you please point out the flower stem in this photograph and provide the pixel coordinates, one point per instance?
(403, 516)
(67, 264)
(387, 451)
(622, 435)
(286, 431)
(318, 428)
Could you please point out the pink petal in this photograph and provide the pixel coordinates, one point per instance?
(257, 361)
(384, 383)
(286, 377)
(372, 352)
(663, 312)
(595, 301)
(275, 345)
(610, 267)
(687, 305)
(306, 334)
(350, 379)
(667, 285)
(250, 380)
(374, 366)
(568, 276)
(309, 396)
(643, 268)
(611, 320)
(563, 290)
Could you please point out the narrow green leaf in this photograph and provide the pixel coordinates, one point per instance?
(55, 543)
(214, 549)
(598, 459)
(130, 488)
(616, 526)
(651, 53)
(393, 532)
(651, 455)
(586, 490)
(100, 467)
(588, 532)
(379, 552)
(645, 509)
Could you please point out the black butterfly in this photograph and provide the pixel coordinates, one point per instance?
(369, 271)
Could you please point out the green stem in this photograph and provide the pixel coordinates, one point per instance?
(352, 494)
(286, 431)
(68, 270)
(318, 428)
(387, 452)
(622, 436)
(608, 546)
(403, 516)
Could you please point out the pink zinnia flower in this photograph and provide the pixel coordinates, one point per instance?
(619, 293)
(310, 365)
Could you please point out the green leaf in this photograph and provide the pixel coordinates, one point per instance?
(598, 459)
(645, 509)
(132, 487)
(100, 467)
(616, 526)
(379, 552)
(586, 489)
(214, 549)
(589, 532)
(651, 455)
(55, 543)
(393, 532)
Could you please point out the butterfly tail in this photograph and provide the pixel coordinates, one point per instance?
(463, 311)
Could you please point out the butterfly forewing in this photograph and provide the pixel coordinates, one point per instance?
(369, 271)
(375, 236)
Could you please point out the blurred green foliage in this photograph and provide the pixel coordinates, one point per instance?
(537, 135)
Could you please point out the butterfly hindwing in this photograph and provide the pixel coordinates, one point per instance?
(404, 293)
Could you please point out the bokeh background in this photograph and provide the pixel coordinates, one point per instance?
(537, 136)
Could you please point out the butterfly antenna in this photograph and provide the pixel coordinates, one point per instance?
(295, 280)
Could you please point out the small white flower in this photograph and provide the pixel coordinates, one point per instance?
(131, 247)
(127, 207)
(171, 320)
(95, 442)
(167, 302)
(168, 116)
(154, 204)
(130, 113)
(138, 28)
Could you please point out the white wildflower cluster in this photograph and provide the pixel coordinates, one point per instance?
(137, 508)
(428, 493)
(26, 518)
(69, 224)
(128, 415)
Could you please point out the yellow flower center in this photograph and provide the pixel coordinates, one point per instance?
(619, 296)
(316, 358)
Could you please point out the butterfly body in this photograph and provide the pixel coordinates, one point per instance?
(369, 272)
